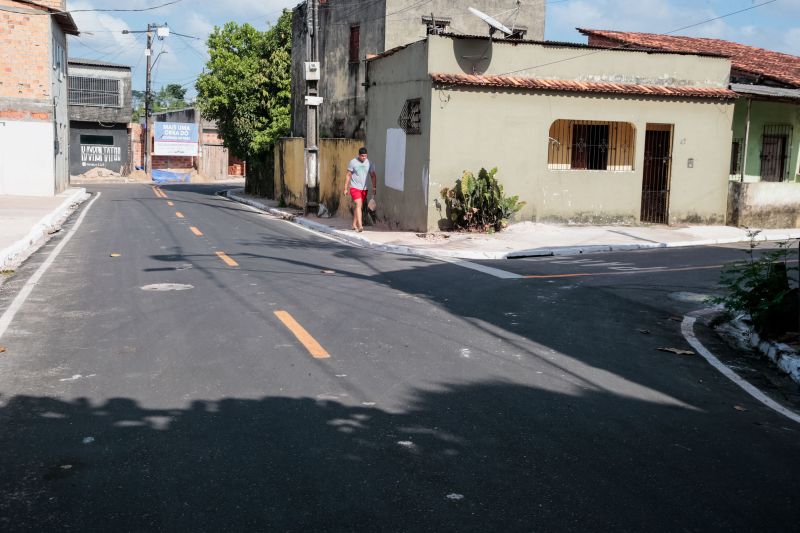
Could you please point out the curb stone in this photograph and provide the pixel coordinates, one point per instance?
(474, 255)
(14, 254)
(782, 355)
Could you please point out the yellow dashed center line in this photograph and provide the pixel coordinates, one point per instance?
(228, 261)
(196, 231)
(158, 192)
(314, 348)
(178, 214)
(170, 204)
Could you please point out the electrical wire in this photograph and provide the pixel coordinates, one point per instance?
(628, 45)
(97, 10)
(190, 46)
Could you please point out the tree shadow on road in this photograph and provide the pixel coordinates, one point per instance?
(489, 456)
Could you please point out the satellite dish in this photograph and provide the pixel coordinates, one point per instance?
(494, 24)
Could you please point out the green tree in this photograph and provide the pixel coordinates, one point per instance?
(246, 89)
(170, 96)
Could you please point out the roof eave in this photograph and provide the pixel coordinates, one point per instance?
(66, 22)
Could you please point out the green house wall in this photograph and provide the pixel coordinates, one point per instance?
(763, 113)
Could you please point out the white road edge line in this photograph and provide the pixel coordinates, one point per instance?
(16, 304)
(294, 224)
(496, 272)
(687, 328)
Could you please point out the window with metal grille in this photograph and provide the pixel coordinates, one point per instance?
(591, 145)
(776, 145)
(737, 153)
(410, 118)
(355, 36)
(94, 91)
(436, 25)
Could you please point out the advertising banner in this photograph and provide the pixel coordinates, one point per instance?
(175, 138)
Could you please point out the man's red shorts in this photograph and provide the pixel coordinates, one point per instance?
(358, 194)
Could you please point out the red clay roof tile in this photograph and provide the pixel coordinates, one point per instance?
(581, 86)
(774, 66)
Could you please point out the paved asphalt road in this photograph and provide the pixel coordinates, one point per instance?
(450, 400)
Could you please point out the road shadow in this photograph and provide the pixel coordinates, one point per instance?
(489, 456)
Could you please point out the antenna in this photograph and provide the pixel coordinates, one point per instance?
(494, 24)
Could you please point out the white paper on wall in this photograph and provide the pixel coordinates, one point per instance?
(395, 158)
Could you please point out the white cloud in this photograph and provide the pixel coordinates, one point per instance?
(102, 37)
(759, 27)
(791, 41)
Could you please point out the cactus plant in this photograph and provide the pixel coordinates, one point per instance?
(478, 203)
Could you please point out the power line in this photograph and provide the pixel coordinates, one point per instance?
(98, 10)
(627, 45)
(190, 46)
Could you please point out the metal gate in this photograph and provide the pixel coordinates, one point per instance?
(657, 170)
(774, 153)
(214, 163)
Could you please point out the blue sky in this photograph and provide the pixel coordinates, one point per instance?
(775, 26)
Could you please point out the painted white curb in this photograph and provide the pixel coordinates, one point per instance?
(473, 255)
(781, 354)
(687, 329)
(28, 244)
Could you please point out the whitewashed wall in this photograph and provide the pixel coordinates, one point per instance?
(26, 162)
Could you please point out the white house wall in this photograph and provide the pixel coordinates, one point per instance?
(398, 78)
(27, 165)
(509, 130)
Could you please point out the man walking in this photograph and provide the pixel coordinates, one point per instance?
(356, 184)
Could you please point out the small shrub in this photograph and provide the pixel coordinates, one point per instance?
(760, 287)
(478, 203)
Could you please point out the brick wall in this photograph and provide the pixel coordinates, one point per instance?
(173, 162)
(24, 54)
(137, 149)
(55, 4)
(236, 167)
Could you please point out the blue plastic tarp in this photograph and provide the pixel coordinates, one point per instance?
(165, 176)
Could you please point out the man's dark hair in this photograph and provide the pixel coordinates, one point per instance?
(362, 151)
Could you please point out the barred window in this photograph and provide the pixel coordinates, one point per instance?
(591, 145)
(94, 91)
(436, 25)
(410, 118)
(355, 41)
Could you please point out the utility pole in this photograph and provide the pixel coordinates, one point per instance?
(312, 102)
(147, 95)
(162, 30)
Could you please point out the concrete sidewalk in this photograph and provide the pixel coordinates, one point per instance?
(523, 239)
(25, 222)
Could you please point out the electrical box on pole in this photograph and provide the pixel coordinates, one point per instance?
(313, 101)
(312, 70)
